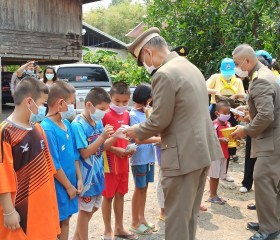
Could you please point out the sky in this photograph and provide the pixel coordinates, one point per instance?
(103, 3)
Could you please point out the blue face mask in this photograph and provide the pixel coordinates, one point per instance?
(40, 115)
(97, 115)
(69, 113)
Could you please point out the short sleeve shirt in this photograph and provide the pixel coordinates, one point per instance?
(215, 82)
(63, 155)
(114, 164)
(145, 153)
(92, 168)
(27, 172)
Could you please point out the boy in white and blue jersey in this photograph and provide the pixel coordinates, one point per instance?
(91, 138)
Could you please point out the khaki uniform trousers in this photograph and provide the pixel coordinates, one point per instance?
(267, 192)
(182, 198)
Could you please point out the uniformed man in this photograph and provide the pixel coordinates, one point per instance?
(188, 140)
(264, 128)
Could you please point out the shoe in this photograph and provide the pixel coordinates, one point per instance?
(264, 236)
(235, 158)
(243, 190)
(253, 226)
(229, 178)
(251, 206)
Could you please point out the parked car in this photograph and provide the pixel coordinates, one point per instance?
(84, 77)
(6, 88)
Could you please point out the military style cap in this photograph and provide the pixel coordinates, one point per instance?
(181, 50)
(136, 46)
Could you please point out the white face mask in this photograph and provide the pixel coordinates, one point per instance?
(97, 115)
(148, 69)
(240, 72)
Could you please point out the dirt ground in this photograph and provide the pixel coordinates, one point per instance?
(220, 222)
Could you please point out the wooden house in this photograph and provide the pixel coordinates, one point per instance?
(48, 31)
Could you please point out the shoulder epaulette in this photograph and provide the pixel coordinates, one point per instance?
(255, 75)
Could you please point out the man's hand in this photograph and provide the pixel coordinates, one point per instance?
(71, 191)
(80, 186)
(120, 133)
(239, 133)
(108, 131)
(12, 221)
(130, 131)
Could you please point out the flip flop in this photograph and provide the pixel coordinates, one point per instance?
(161, 218)
(127, 236)
(151, 226)
(107, 238)
(141, 230)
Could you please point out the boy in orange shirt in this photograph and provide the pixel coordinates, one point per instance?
(28, 207)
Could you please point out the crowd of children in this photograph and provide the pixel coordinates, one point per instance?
(51, 168)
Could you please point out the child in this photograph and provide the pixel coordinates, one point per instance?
(90, 140)
(28, 207)
(116, 174)
(59, 136)
(142, 163)
(219, 167)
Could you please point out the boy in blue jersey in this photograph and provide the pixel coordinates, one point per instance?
(91, 138)
(68, 180)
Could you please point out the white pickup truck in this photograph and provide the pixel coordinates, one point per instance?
(84, 77)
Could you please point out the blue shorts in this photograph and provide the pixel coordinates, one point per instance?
(143, 174)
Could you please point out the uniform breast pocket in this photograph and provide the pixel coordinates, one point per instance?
(169, 153)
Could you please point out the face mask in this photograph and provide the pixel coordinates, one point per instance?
(40, 115)
(224, 118)
(49, 76)
(240, 72)
(30, 71)
(227, 77)
(149, 69)
(117, 109)
(69, 113)
(97, 115)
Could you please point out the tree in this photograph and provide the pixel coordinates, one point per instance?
(118, 19)
(212, 29)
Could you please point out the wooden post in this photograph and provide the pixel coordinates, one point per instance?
(1, 86)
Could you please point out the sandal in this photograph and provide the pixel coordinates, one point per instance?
(216, 200)
(161, 218)
(141, 230)
(151, 226)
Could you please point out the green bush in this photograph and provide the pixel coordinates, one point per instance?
(119, 69)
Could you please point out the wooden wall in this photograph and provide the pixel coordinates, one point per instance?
(41, 29)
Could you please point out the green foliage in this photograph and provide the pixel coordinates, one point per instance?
(118, 19)
(212, 29)
(119, 69)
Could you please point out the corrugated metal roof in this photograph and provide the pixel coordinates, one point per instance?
(104, 34)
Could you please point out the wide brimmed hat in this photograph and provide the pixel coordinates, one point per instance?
(136, 46)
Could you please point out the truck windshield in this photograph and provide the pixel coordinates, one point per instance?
(82, 74)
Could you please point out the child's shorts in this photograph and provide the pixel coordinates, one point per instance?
(143, 174)
(218, 168)
(115, 184)
(88, 203)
